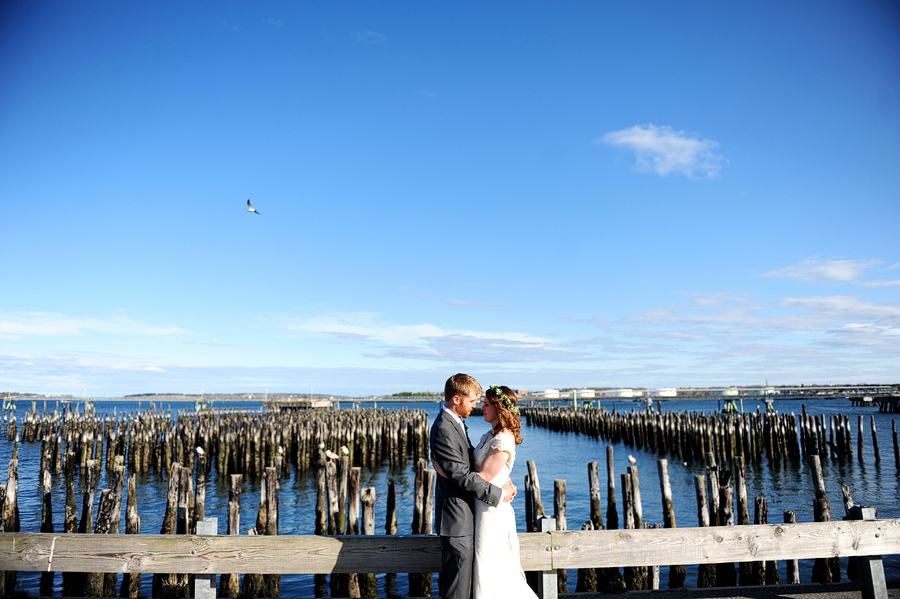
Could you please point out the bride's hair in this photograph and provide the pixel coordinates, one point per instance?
(504, 399)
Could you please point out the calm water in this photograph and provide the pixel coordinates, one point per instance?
(787, 486)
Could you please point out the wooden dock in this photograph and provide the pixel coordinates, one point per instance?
(546, 552)
(303, 404)
(889, 404)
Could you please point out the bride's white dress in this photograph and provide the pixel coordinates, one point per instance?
(498, 571)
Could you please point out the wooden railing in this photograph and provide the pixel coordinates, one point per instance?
(545, 551)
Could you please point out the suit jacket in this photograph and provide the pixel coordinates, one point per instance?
(455, 495)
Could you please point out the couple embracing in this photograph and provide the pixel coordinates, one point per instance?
(473, 514)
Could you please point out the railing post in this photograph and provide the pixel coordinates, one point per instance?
(205, 584)
(871, 569)
(547, 580)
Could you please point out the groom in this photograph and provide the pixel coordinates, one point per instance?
(455, 493)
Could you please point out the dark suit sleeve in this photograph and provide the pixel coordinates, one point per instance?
(452, 456)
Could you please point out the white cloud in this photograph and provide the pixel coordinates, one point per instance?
(483, 348)
(821, 322)
(878, 283)
(370, 37)
(271, 21)
(51, 324)
(430, 342)
(469, 304)
(824, 270)
(664, 151)
(361, 325)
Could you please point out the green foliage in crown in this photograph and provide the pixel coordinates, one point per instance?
(506, 401)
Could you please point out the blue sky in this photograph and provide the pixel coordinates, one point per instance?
(541, 194)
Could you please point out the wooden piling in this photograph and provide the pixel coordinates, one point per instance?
(726, 573)
(859, 438)
(131, 581)
(706, 573)
(634, 576)
(793, 566)
(612, 517)
(825, 570)
(368, 584)
(417, 579)
(594, 490)
(559, 512)
(587, 577)
(896, 445)
(353, 523)
(535, 491)
(271, 582)
(875, 442)
(677, 573)
(46, 582)
(390, 528)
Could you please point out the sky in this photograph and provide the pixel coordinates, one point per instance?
(540, 194)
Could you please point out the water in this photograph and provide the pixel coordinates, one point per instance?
(786, 485)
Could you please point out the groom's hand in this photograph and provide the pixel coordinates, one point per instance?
(509, 491)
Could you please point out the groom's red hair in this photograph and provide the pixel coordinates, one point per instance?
(460, 384)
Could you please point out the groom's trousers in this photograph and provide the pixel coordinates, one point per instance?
(457, 556)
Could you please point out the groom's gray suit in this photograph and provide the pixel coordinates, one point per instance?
(454, 504)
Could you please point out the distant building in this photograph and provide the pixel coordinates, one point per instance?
(585, 393)
(618, 393)
(549, 394)
(664, 392)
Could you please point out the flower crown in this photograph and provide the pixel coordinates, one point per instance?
(506, 401)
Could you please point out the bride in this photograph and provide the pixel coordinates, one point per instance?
(498, 571)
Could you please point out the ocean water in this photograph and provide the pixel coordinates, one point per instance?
(786, 485)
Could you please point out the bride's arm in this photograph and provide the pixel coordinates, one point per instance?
(493, 463)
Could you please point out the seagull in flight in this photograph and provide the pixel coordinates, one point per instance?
(251, 208)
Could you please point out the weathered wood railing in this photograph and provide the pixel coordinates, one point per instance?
(544, 551)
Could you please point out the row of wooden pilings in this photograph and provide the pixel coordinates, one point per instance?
(689, 436)
(722, 500)
(343, 507)
(237, 441)
(242, 443)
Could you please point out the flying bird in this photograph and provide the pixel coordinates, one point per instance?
(251, 208)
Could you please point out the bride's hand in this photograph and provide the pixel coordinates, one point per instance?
(509, 491)
(437, 468)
